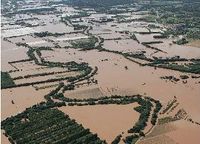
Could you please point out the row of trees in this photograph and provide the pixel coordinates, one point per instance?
(144, 110)
(193, 67)
(146, 105)
(71, 66)
(46, 33)
(40, 74)
(47, 126)
(98, 3)
(23, 60)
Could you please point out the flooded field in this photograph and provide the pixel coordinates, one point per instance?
(76, 59)
(11, 52)
(43, 78)
(176, 50)
(16, 100)
(137, 79)
(123, 45)
(107, 121)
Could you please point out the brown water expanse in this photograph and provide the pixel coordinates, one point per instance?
(108, 121)
(22, 97)
(135, 80)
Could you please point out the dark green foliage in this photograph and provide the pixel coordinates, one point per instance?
(117, 139)
(181, 41)
(6, 80)
(79, 27)
(71, 66)
(46, 33)
(31, 55)
(35, 10)
(155, 113)
(162, 36)
(131, 139)
(193, 67)
(149, 18)
(18, 61)
(144, 109)
(53, 92)
(98, 3)
(22, 44)
(22, 128)
(78, 15)
(182, 16)
(85, 44)
(133, 36)
(68, 87)
(152, 42)
(184, 76)
(170, 78)
(141, 134)
(39, 74)
(46, 126)
(193, 33)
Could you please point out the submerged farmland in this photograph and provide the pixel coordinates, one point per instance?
(98, 72)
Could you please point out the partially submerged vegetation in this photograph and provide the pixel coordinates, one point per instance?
(85, 44)
(42, 111)
(46, 33)
(6, 80)
(192, 67)
(46, 126)
(162, 21)
(98, 3)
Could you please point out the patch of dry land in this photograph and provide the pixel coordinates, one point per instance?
(173, 133)
(107, 121)
(194, 43)
(85, 92)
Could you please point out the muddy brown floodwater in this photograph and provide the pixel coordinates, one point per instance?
(16, 100)
(135, 80)
(11, 52)
(116, 75)
(108, 121)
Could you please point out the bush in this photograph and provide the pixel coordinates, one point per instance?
(6, 80)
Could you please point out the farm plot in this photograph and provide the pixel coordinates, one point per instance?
(85, 92)
(47, 126)
(107, 121)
